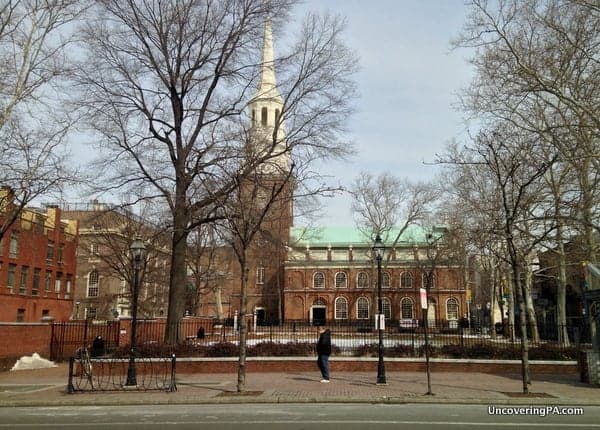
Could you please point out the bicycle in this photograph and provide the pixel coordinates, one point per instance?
(85, 364)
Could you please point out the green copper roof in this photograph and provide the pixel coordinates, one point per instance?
(344, 236)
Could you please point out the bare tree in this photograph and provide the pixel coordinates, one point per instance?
(537, 69)
(516, 183)
(33, 126)
(168, 84)
(250, 214)
(387, 203)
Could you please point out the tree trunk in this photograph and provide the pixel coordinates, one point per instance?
(561, 292)
(522, 318)
(178, 274)
(219, 301)
(531, 316)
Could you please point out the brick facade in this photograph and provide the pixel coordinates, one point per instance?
(37, 267)
(339, 282)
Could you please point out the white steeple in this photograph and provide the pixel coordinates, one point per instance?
(265, 110)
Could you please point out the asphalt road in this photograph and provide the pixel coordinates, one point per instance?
(299, 416)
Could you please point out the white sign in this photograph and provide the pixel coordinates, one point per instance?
(379, 321)
(423, 293)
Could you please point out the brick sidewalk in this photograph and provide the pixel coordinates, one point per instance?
(48, 387)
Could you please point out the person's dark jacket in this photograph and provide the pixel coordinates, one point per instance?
(324, 343)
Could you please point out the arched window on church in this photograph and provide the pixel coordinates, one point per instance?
(340, 280)
(406, 309)
(362, 280)
(405, 280)
(452, 309)
(263, 116)
(318, 280)
(362, 308)
(341, 308)
(386, 280)
(386, 304)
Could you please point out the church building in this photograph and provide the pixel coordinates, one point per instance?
(327, 274)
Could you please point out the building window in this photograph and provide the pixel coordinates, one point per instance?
(94, 250)
(263, 116)
(60, 254)
(35, 287)
(23, 284)
(319, 280)
(387, 308)
(452, 309)
(362, 280)
(385, 280)
(425, 281)
(91, 313)
(341, 308)
(260, 275)
(20, 315)
(406, 280)
(341, 280)
(58, 283)
(68, 287)
(50, 251)
(93, 284)
(362, 308)
(14, 245)
(406, 309)
(48, 282)
(10, 282)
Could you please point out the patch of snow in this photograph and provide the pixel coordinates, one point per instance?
(33, 362)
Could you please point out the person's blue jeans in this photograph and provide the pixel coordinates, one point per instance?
(323, 363)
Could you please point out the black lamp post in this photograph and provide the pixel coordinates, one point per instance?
(137, 250)
(378, 248)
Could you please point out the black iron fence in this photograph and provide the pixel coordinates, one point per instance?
(203, 336)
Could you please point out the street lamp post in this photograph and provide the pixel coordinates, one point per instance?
(137, 249)
(378, 248)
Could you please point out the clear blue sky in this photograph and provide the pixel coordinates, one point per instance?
(408, 83)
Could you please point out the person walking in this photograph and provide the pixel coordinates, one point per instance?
(323, 352)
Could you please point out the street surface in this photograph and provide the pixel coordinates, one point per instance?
(296, 417)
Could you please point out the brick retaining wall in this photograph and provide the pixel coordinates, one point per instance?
(294, 364)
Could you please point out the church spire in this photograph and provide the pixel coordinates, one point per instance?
(266, 109)
(267, 83)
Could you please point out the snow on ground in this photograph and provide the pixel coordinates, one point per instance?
(33, 362)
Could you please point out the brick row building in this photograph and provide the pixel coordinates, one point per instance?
(37, 267)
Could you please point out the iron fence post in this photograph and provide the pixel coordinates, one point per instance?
(70, 387)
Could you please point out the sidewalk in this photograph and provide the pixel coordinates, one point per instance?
(47, 387)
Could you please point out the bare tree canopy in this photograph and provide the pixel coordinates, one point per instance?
(167, 85)
(33, 126)
(385, 202)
